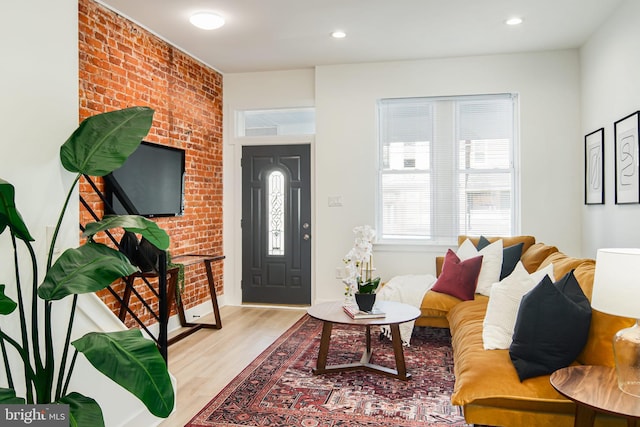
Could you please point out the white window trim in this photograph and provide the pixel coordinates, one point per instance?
(428, 245)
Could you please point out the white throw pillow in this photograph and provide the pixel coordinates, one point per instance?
(504, 302)
(491, 263)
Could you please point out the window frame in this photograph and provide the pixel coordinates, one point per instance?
(454, 172)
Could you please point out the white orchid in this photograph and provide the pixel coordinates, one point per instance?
(359, 260)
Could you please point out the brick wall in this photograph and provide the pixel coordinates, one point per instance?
(123, 65)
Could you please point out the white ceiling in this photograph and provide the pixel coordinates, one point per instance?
(262, 35)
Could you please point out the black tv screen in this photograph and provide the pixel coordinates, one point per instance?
(150, 183)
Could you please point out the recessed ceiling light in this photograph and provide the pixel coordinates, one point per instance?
(514, 21)
(207, 20)
(338, 34)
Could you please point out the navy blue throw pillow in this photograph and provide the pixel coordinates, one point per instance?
(552, 327)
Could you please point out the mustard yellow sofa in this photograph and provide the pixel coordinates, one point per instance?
(486, 384)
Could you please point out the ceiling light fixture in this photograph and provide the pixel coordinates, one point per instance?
(338, 34)
(514, 21)
(207, 20)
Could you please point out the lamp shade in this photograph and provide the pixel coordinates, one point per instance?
(616, 284)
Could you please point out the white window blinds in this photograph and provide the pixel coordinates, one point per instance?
(446, 167)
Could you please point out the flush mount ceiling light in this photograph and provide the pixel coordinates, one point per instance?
(207, 20)
(514, 21)
(338, 34)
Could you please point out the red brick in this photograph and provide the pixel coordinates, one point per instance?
(122, 65)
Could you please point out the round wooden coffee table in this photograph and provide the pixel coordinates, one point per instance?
(595, 389)
(395, 314)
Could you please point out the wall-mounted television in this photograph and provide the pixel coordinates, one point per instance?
(149, 183)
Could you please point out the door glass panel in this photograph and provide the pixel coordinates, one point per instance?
(276, 213)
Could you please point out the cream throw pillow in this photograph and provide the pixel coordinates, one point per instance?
(491, 263)
(504, 301)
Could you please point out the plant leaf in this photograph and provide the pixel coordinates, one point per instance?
(9, 215)
(103, 142)
(83, 411)
(134, 223)
(7, 305)
(368, 287)
(8, 397)
(89, 268)
(133, 362)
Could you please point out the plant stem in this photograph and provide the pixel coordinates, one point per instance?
(35, 336)
(59, 224)
(65, 353)
(5, 360)
(73, 364)
(28, 370)
(23, 325)
(47, 384)
(48, 371)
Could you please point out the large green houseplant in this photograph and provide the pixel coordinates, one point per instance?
(98, 146)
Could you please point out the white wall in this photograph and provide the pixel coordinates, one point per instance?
(345, 147)
(610, 86)
(38, 112)
(38, 106)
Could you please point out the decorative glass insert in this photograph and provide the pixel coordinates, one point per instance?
(275, 196)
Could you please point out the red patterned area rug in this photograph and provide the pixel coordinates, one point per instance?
(278, 389)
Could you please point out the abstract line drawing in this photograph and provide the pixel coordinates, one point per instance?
(595, 160)
(627, 161)
(594, 168)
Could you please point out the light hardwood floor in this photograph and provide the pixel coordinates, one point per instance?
(206, 361)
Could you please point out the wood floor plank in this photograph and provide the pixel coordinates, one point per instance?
(203, 363)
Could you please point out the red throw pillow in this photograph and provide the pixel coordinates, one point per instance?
(458, 278)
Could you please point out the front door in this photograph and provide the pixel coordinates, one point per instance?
(276, 224)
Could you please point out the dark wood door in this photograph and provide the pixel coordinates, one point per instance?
(276, 224)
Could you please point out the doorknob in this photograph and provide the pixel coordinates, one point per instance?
(306, 237)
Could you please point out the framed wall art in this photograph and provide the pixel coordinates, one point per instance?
(627, 174)
(594, 168)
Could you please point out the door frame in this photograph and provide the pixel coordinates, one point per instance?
(233, 261)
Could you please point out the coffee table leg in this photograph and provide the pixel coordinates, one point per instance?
(399, 352)
(321, 364)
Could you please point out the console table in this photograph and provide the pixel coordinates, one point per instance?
(172, 283)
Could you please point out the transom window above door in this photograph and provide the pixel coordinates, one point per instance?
(276, 122)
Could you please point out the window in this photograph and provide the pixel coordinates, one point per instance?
(446, 168)
(276, 122)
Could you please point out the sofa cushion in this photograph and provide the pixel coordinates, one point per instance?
(535, 255)
(510, 255)
(562, 263)
(459, 277)
(551, 328)
(527, 241)
(491, 263)
(504, 301)
(437, 303)
(489, 376)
